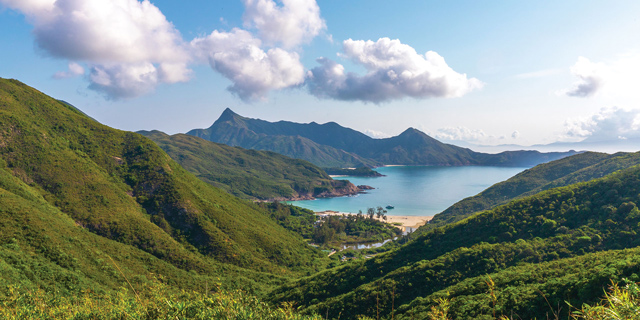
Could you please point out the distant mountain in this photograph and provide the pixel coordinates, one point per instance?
(288, 138)
(608, 146)
(250, 173)
(331, 145)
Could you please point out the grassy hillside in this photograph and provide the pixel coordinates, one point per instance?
(563, 172)
(74, 190)
(544, 232)
(156, 301)
(249, 173)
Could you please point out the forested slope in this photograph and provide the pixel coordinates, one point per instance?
(578, 168)
(74, 191)
(543, 232)
(250, 173)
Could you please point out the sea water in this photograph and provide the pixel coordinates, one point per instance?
(415, 190)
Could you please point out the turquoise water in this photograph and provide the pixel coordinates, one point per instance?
(415, 190)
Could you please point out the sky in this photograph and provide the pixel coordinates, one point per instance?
(480, 72)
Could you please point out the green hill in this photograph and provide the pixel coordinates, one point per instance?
(558, 173)
(249, 173)
(534, 242)
(74, 193)
(88, 212)
(331, 145)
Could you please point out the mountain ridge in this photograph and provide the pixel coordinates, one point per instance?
(246, 173)
(332, 145)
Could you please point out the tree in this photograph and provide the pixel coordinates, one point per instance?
(380, 213)
(371, 212)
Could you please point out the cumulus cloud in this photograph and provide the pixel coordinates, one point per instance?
(289, 24)
(238, 56)
(590, 78)
(461, 134)
(130, 47)
(610, 123)
(124, 80)
(74, 71)
(130, 44)
(394, 71)
(476, 136)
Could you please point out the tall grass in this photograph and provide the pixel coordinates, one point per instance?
(157, 302)
(620, 302)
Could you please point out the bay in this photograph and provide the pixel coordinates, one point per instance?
(415, 190)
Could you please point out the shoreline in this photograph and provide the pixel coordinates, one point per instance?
(412, 222)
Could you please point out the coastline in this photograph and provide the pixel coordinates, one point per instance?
(412, 222)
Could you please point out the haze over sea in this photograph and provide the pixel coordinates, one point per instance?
(415, 190)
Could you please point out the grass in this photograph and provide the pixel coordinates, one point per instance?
(620, 302)
(159, 301)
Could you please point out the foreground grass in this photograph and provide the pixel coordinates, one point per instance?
(620, 302)
(162, 302)
(158, 302)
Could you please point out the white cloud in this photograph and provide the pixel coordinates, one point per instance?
(394, 71)
(475, 136)
(376, 134)
(74, 71)
(610, 123)
(130, 47)
(611, 78)
(238, 56)
(124, 80)
(125, 41)
(290, 24)
(30, 7)
(590, 78)
(461, 134)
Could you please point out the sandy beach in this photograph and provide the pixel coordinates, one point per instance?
(405, 221)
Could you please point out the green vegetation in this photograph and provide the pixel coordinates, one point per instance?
(249, 173)
(350, 229)
(74, 193)
(559, 173)
(296, 219)
(618, 304)
(156, 302)
(331, 145)
(331, 231)
(97, 223)
(356, 172)
(561, 242)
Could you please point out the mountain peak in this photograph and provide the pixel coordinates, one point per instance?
(412, 131)
(228, 115)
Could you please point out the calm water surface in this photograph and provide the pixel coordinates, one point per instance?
(415, 190)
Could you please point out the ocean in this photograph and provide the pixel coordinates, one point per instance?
(415, 190)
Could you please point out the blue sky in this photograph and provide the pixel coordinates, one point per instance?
(485, 72)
